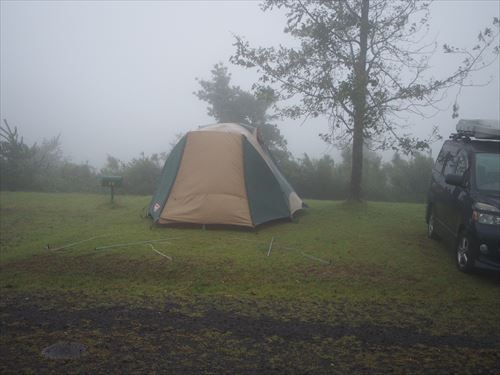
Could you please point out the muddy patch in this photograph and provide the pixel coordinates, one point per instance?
(182, 336)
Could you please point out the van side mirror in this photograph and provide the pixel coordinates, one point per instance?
(454, 179)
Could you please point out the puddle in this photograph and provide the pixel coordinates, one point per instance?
(64, 350)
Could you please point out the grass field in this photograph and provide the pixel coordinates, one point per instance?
(347, 288)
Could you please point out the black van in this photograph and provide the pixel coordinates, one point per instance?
(464, 196)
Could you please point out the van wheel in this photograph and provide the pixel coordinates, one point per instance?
(465, 253)
(431, 229)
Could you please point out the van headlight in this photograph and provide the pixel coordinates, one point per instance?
(490, 217)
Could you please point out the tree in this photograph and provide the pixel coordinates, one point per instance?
(140, 176)
(114, 166)
(24, 167)
(14, 159)
(360, 62)
(374, 178)
(227, 103)
(71, 177)
(409, 179)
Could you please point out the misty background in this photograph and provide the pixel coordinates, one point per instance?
(117, 78)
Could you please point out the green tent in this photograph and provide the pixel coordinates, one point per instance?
(221, 174)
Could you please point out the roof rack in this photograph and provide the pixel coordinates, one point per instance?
(479, 129)
(462, 136)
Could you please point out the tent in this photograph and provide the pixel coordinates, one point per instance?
(222, 174)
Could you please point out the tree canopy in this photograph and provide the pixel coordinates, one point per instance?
(228, 103)
(361, 63)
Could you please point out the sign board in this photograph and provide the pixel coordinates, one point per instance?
(109, 181)
(112, 182)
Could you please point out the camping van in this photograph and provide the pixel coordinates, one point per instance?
(464, 195)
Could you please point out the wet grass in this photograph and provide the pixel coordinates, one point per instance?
(351, 265)
(336, 250)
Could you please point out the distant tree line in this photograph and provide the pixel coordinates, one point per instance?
(140, 176)
(42, 167)
(402, 180)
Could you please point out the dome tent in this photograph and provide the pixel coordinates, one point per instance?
(222, 174)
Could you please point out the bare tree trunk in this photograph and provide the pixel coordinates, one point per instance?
(357, 159)
(359, 101)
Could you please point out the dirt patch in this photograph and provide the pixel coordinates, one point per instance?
(55, 263)
(362, 272)
(239, 326)
(181, 337)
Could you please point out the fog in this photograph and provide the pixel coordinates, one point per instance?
(118, 78)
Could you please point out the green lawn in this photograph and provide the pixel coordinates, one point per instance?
(340, 264)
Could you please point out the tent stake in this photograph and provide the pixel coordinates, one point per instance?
(270, 247)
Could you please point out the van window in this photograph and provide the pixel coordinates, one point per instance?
(488, 171)
(462, 163)
(438, 166)
(451, 164)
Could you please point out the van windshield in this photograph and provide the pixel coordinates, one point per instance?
(488, 171)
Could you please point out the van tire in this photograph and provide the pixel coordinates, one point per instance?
(431, 226)
(465, 254)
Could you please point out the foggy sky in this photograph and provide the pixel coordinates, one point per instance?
(118, 77)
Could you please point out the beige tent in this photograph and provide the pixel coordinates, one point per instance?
(221, 174)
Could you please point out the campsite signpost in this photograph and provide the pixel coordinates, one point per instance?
(112, 182)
